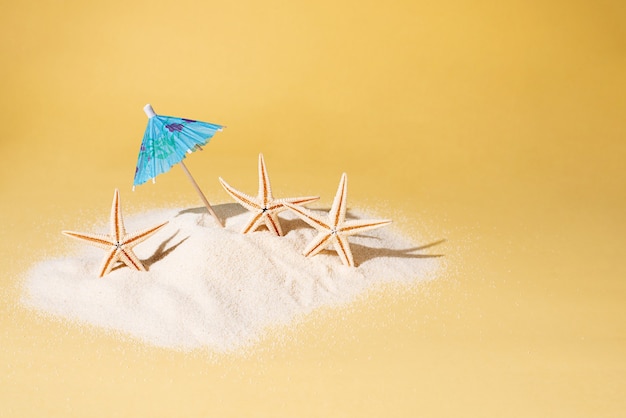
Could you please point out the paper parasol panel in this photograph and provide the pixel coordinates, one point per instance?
(166, 142)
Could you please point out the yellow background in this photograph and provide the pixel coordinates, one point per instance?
(496, 126)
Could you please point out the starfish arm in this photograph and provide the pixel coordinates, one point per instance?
(97, 240)
(308, 217)
(254, 222)
(109, 261)
(337, 212)
(118, 244)
(296, 200)
(358, 226)
(244, 200)
(134, 239)
(129, 258)
(278, 205)
(273, 224)
(318, 244)
(343, 249)
(265, 189)
(117, 223)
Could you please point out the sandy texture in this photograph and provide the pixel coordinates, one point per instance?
(216, 288)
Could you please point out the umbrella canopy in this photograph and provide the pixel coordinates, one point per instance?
(166, 142)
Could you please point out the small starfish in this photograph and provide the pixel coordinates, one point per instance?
(336, 229)
(118, 243)
(264, 206)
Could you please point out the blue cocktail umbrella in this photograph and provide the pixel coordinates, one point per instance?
(166, 142)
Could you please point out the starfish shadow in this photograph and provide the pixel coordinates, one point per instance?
(362, 253)
(223, 210)
(161, 252)
(292, 224)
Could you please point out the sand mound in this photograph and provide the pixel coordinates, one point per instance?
(216, 288)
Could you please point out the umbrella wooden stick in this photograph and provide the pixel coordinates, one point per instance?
(202, 196)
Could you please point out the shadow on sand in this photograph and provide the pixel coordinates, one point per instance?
(362, 253)
(161, 252)
(223, 210)
(230, 210)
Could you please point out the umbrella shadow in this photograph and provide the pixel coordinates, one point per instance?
(363, 253)
(160, 253)
(223, 210)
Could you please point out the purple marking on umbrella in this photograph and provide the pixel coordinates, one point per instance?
(188, 120)
(173, 127)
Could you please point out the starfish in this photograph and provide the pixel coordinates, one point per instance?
(335, 229)
(118, 244)
(264, 206)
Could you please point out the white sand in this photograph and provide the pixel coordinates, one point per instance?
(216, 288)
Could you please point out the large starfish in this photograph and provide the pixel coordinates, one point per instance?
(335, 229)
(264, 206)
(118, 244)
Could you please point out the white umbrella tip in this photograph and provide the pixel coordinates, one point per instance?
(150, 113)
